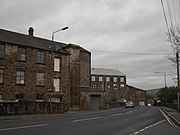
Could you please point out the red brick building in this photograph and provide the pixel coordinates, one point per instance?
(37, 69)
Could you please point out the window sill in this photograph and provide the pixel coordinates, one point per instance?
(21, 60)
(40, 86)
(40, 63)
(18, 84)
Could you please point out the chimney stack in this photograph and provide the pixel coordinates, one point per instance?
(31, 31)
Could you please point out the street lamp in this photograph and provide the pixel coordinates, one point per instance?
(51, 90)
(164, 77)
(52, 48)
(65, 28)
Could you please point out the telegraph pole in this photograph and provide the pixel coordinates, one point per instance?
(178, 91)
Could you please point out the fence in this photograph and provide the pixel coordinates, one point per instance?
(29, 107)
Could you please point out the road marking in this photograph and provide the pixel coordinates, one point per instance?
(86, 119)
(23, 127)
(116, 114)
(136, 133)
(141, 130)
(129, 112)
(167, 116)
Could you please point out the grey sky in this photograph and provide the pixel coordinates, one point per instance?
(128, 35)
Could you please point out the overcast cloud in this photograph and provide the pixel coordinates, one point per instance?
(128, 35)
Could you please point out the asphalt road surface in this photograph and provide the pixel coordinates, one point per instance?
(119, 121)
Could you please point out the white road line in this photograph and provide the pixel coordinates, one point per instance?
(141, 130)
(93, 118)
(129, 112)
(23, 127)
(136, 133)
(116, 114)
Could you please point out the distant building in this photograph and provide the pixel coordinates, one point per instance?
(137, 95)
(37, 69)
(107, 85)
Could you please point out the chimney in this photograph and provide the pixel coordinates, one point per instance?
(31, 31)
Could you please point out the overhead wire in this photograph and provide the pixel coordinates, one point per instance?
(164, 13)
(179, 14)
(170, 15)
(132, 53)
(175, 20)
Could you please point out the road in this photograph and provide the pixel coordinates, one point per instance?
(119, 121)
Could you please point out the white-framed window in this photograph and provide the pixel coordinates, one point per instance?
(2, 50)
(115, 86)
(56, 85)
(57, 100)
(57, 64)
(107, 79)
(93, 78)
(114, 79)
(108, 86)
(122, 79)
(40, 57)
(20, 96)
(100, 78)
(20, 77)
(122, 85)
(93, 86)
(21, 54)
(39, 97)
(40, 79)
(1, 75)
(101, 86)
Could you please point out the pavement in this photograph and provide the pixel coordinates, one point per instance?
(30, 116)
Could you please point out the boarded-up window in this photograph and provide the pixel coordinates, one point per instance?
(56, 64)
(56, 85)
(40, 79)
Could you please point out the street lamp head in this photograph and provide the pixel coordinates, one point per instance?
(65, 28)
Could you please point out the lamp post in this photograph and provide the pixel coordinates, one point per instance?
(51, 90)
(164, 77)
(52, 48)
(65, 28)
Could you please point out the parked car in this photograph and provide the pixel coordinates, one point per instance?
(149, 104)
(129, 104)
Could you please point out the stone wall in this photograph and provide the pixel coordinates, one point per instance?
(10, 64)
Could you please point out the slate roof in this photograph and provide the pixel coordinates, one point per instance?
(103, 71)
(32, 41)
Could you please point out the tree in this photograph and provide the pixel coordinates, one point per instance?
(168, 94)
